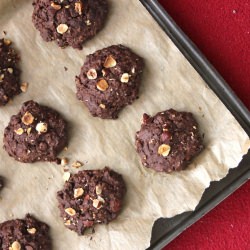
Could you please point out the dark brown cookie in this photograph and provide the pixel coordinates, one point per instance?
(9, 72)
(69, 22)
(26, 234)
(91, 197)
(36, 133)
(109, 80)
(168, 141)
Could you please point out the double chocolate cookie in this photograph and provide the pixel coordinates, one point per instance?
(26, 234)
(9, 72)
(69, 22)
(36, 133)
(168, 141)
(91, 197)
(109, 80)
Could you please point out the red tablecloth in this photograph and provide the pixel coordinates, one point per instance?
(221, 30)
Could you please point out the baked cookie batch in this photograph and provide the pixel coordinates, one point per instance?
(109, 79)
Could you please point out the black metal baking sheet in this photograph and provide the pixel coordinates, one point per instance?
(165, 230)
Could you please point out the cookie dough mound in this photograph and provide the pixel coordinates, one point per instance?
(69, 22)
(36, 133)
(109, 80)
(28, 234)
(91, 197)
(9, 72)
(168, 141)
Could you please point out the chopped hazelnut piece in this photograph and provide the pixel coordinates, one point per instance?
(28, 131)
(19, 131)
(110, 62)
(67, 223)
(125, 78)
(102, 85)
(1, 77)
(24, 86)
(31, 230)
(151, 141)
(92, 74)
(164, 150)
(55, 6)
(79, 7)
(10, 70)
(62, 28)
(78, 192)
(98, 189)
(88, 23)
(15, 246)
(101, 199)
(133, 70)
(102, 106)
(64, 161)
(41, 127)
(97, 204)
(27, 118)
(104, 72)
(70, 211)
(66, 176)
(7, 42)
(76, 164)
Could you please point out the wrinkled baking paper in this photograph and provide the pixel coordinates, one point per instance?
(169, 81)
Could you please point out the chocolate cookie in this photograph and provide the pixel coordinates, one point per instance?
(36, 133)
(109, 80)
(27, 234)
(168, 141)
(91, 197)
(69, 22)
(9, 72)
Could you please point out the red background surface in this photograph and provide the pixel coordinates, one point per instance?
(221, 30)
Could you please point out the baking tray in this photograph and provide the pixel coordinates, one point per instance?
(165, 230)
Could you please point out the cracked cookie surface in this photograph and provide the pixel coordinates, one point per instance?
(36, 133)
(91, 197)
(109, 80)
(28, 234)
(69, 22)
(9, 72)
(168, 141)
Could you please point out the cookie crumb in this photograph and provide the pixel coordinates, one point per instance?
(24, 86)
(76, 164)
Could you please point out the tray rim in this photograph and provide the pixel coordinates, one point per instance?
(200, 63)
(220, 88)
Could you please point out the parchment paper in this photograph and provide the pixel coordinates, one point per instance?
(169, 81)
